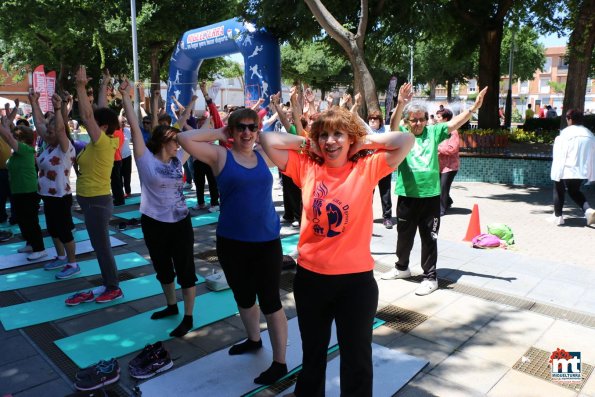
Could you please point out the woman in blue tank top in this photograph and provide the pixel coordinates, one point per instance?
(248, 242)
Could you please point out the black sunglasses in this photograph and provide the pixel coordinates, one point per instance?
(241, 127)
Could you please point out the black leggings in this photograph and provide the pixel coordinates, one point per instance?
(126, 172)
(446, 179)
(202, 170)
(171, 248)
(251, 270)
(26, 207)
(351, 300)
(59, 217)
(574, 191)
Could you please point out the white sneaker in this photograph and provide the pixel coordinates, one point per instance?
(295, 224)
(556, 220)
(37, 255)
(25, 249)
(590, 215)
(396, 274)
(214, 208)
(427, 287)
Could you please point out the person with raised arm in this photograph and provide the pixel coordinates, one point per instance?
(165, 219)
(54, 164)
(23, 184)
(337, 173)
(248, 231)
(95, 164)
(418, 187)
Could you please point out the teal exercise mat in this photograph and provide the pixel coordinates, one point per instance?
(9, 249)
(42, 223)
(32, 278)
(132, 334)
(51, 309)
(197, 221)
(289, 243)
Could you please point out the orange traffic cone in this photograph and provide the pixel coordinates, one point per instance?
(474, 228)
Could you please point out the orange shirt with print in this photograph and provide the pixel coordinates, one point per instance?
(336, 228)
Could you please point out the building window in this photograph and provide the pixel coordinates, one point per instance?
(472, 86)
(562, 65)
(544, 86)
(547, 68)
(230, 82)
(524, 87)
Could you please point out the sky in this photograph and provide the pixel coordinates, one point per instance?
(553, 40)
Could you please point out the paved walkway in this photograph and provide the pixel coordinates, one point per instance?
(491, 308)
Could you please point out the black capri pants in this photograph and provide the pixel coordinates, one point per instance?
(171, 248)
(58, 217)
(251, 270)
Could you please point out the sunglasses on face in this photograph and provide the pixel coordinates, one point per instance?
(374, 118)
(241, 127)
(414, 121)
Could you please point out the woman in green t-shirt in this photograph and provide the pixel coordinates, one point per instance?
(23, 186)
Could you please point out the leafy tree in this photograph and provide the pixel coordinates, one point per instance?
(581, 17)
(314, 63)
(529, 54)
(62, 34)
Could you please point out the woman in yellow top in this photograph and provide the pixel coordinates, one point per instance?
(93, 187)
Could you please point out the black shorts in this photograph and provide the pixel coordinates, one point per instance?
(171, 248)
(252, 270)
(58, 217)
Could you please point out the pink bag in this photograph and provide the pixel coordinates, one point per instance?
(486, 241)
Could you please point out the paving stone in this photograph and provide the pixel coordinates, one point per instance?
(56, 387)
(519, 325)
(513, 283)
(429, 304)
(16, 348)
(422, 348)
(570, 337)
(75, 325)
(471, 312)
(391, 290)
(465, 370)
(432, 386)
(496, 346)
(443, 332)
(515, 383)
(557, 292)
(24, 374)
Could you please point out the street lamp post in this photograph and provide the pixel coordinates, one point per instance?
(508, 109)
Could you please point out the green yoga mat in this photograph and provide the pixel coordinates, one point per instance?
(42, 223)
(9, 249)
(197, 221)
(132, 334)
(32, 278)
(50, 309)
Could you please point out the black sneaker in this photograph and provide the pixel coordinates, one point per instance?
(148, 351)
(102, 376)
(157, 362)
(5, 235)
(101, 365)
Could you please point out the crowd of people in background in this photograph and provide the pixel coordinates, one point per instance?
(330, 162)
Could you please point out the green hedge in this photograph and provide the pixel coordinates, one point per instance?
(554, 124)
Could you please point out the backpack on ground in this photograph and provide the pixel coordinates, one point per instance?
(486, 241)
(502, 231)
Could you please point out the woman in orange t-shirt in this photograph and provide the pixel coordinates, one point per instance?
(334, 279)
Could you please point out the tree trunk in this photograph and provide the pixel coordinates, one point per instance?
(448, 91)
(580, 48)
(432, 96)
(363, 81)
(353, 45)
(489, 75)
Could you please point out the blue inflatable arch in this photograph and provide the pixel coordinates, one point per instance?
(262, 59)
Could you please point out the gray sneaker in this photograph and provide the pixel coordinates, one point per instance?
(55, 263)
(395, 274)
(68, 271)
